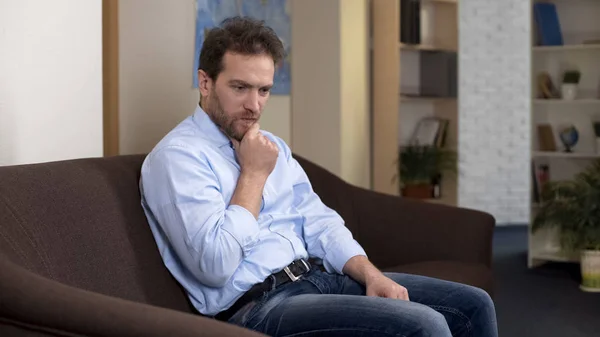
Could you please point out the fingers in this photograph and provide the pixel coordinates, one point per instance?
(236, 144)
(254, 130)
(403, 294)
(399, 293)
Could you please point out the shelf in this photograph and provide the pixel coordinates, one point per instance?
(451, 2)
(566, 102)
(558, 154)
(405, 46)
(425, 99)
(555, 256)
(591, 46)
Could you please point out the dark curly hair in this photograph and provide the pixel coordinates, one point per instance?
(243, 35)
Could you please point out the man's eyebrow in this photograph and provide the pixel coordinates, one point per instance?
(248, 85)
(240, 82)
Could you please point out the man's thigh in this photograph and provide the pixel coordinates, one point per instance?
(350, 315)
(467, 309)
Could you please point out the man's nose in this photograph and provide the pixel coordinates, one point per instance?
(252, 102)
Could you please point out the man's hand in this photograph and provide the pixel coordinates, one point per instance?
(377, 284)
(383, 286)
(256, 154)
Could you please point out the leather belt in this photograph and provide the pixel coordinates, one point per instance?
(290, 273)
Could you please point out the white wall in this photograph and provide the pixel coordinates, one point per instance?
(50, 80)
(494, 108)
(156, 50)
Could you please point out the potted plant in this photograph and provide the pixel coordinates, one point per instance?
(419, 165)
(569, 84)
(572, 207)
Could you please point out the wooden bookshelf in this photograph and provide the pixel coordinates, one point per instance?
(395, 115)
(579, 27)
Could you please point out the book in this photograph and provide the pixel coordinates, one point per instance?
(410, 21)
(546, 138)
(547, 26)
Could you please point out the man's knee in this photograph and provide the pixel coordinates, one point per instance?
(478, 297)
(432, 323)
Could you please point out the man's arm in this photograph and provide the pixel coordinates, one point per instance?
(257, 156)
(209, 236)
(324, 230)
(376, 283)
(248, 192)
(327, 238)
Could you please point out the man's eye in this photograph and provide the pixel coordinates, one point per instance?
(239, 88)
(265, 91)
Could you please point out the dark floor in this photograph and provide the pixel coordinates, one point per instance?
(543, 301)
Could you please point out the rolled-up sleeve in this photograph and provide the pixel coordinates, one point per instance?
(325, 233)
(183, 194)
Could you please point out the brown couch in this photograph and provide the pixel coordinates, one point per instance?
(77, 257)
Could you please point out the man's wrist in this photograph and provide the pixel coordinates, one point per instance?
(253, 177)
(362, 270)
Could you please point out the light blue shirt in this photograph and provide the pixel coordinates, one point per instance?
(218, 251)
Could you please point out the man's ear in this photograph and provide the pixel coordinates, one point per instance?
(204, 83)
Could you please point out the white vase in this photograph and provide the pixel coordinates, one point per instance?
(590, 270)
(568, 91)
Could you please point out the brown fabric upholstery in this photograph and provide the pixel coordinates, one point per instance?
(474, 274)
(78, 258)
(81, 223)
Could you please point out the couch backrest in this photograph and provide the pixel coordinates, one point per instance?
(80, 222)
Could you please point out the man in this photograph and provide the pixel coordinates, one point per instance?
(236, 220)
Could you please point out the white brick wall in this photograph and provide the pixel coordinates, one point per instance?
(494, 108)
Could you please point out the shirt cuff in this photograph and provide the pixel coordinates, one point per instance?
(338, 255)
(242, 225)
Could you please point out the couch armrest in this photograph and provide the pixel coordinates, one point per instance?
(31, 303)
(396, 231)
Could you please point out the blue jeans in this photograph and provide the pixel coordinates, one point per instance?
(323, 304)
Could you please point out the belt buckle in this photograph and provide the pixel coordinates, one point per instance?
(291, 275)
(305, 265)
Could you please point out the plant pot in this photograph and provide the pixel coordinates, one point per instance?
(590, 270)
(568, 91)
(419, 191)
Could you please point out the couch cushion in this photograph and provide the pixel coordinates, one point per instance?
(477, 275)
(80, 222)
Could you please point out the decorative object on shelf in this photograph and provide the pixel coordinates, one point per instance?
(540, 178)
(597, 134)
(569, 84)
(569, 136)
(545, 135)
(421, 168)
(572, 208)
(438, 73)
(431, 131)
(546, 88)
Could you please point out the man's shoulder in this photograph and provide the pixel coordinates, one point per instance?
(182, 140)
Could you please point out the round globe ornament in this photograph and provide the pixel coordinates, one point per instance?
(569, 136)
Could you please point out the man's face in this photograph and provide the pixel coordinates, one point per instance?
(236, 99)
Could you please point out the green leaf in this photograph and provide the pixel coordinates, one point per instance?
(573, 206)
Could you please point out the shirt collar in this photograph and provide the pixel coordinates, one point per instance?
(209, 129)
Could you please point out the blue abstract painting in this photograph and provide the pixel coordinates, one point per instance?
(275, 13)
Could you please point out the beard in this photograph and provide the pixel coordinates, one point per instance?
(227, 121)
